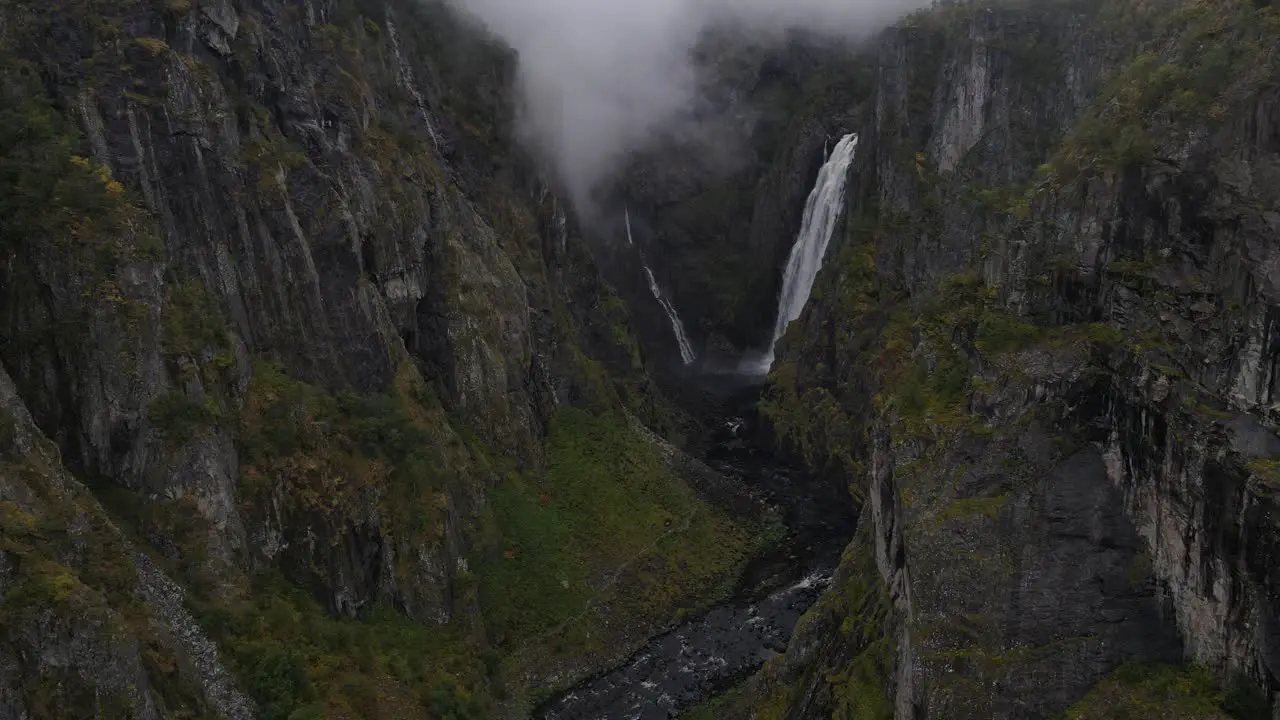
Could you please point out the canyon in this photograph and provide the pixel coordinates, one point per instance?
(946, 391)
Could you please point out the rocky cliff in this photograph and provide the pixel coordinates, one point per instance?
(1041, 357)
(315, 403)
(302, 358)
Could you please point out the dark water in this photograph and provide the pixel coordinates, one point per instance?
(693, 661)
(709, 654)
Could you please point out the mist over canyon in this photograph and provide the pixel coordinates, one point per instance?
(599, 80)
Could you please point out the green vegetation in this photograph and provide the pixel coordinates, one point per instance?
(1266, 471)
(267, 155)
(193, 329)
(857, 279)
(154, 45)
(71, 574)
(325, 457)
(49, 189)
(855, 662)
(927, 378)
(1155, 692)
(67, 211)
(300, 663)
(776, 704)
(179, 418)
(1001, 332)
(318, 462)
(719, 707)
(1203, 56)
(322, 456)
(931, 349)
(1014, 201)
(327, 453)
(973, 632)
(51, 193)
(970, 507)
(608, 524)
(811, 420)
(862, 689)
(66, 214)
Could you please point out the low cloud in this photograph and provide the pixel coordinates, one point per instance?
(600, 78)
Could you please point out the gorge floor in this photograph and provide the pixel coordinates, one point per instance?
(708, 654)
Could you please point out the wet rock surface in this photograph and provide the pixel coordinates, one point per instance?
(692, 662)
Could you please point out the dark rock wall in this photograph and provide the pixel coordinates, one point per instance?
(259, 258)
(1051, 307)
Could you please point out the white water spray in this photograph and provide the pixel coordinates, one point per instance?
(686, 349)
(627, 216)
(821, 212)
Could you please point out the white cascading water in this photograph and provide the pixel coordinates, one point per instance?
(677, 327)
(686, 350)
(821, 212)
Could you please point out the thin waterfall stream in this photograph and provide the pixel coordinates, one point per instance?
(687, 355)
(677, 327)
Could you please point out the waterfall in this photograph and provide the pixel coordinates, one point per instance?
(686, 350)
(677, 327)
(406, 79)
(821, 212)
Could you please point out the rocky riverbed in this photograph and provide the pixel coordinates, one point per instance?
(714, 651)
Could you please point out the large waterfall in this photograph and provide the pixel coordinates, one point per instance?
(686, 350)
(821, 212)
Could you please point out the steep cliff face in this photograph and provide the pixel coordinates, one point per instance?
(1042, 358)
(330, 354)
(89, 626)
(314, 404)
(295, 224)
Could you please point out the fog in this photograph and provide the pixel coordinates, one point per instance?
(600, 78)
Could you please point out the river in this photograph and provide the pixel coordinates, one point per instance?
(713, 652)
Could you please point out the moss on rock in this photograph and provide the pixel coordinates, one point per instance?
(606, 545)
(1152, 692)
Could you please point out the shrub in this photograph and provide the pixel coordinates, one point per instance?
(179, 419)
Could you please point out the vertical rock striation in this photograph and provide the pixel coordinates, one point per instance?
(1043, 345)
(278, 287)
